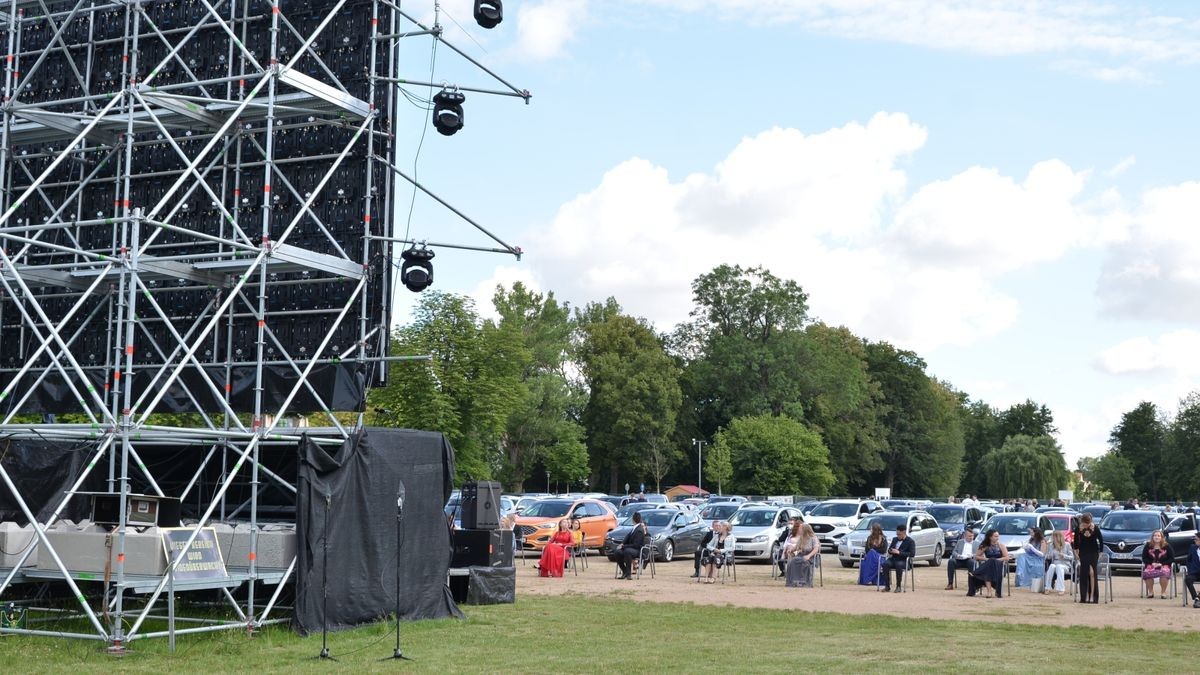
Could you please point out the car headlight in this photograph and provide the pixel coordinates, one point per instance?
(658, 537)
(547, 526)
(760, 538)
(951, 532)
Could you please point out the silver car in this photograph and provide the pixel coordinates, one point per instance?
(1014, 530)
(923, 529)
(756, 530)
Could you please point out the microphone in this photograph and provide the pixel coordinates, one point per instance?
(400, 499)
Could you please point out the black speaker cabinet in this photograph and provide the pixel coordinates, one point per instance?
(481, 505)
(482, 548)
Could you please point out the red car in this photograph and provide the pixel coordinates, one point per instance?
(1064, 522)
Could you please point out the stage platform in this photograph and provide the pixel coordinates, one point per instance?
(137, 583)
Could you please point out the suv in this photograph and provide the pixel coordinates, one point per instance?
(953, 518)
(923, 529)
(756, 530)
(833, 519)
(1126, 533)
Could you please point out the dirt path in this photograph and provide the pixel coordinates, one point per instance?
(756, 588)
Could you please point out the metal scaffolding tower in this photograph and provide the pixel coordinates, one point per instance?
(196, 204)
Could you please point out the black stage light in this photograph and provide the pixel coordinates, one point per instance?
(448, 111)
(417, 271)
(489, 13)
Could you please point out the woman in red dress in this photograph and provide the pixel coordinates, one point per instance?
(554, 556)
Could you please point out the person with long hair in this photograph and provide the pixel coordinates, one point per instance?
(554, 556)
(1031, 568)
(800, 556)
(718, 548)
(1059, 560)
(1157, 558)
(873, 550)
(992, 559)
(1088, 544)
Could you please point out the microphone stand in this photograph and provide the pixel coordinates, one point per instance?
(325, 587)
(398, 655)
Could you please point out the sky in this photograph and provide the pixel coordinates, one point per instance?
(1007, 187)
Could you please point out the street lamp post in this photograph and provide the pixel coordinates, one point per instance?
(699, 445)
(547, 481)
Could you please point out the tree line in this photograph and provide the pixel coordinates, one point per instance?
(590, 397)
(1153, 455)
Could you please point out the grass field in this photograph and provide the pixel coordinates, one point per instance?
(587, 634)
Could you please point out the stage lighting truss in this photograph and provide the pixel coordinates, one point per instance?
(186, 188)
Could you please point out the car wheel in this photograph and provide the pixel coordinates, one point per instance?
(668, 551)
(936, 561)
(847, 563)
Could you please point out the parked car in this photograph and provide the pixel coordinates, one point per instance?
(1098, 511)
(616, 501)
(890, 504)
(1078, 507)
(671, 530)
(713, 499)
(656, 498)
(537, 524)
(808, 506)
(524, 502)
(834, 519)
(1181, 530)
(922, 527)
(1126, 533)
(954, 518)
(1065, 522)
(1014, 529)
(628, 510)
(756, 530)
(1050, 509)
(719, 511)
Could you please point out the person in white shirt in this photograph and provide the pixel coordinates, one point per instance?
(964, 551)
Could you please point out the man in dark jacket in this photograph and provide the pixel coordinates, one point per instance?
(1193, 570)
(703, 543)
(631, 548)
(900, 552)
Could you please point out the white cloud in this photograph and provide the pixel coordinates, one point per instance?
(1121, 167)
(1173, 352)
(505, 276)
(544, 28)
(829, 210)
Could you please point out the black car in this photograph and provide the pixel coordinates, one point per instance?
(953, 518)
(1098, 511)
(1126, 533)
(670, 529)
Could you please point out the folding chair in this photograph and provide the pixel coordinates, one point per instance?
(1142, 582)
(880, 579)
(1103, 574)
(820, 568)
(645, 559)
(730, 567)
(776, 558)
(969, 565)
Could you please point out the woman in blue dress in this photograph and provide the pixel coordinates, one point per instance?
(873, 550)
(993, 559)
(1031, 567)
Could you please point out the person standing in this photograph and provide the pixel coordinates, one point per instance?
(964, 551)
(900, 552)
(873, 551)
(1157, 558)
(631, 547)
(1193, 570)
(1060, 559)
(1088, 544)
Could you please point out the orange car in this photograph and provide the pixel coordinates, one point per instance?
(538, 522)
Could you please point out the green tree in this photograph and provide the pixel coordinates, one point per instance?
(1141, 438)
(634, 387)
(1183, 450)
(1114, 474)
(540, 428)
(1025, 466)
(775, 456)
(920, 417)
(467, 391)
(1027, 419)
(981, 435)
(717, 466)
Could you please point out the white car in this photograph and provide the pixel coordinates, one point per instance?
(756, 530)
(923, 529)
(833, 519)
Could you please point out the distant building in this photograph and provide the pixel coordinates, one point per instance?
(684, 491)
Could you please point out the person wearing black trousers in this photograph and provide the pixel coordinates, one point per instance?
(700, 548)
(1088, 545)
(1193, 571)
(900, 551)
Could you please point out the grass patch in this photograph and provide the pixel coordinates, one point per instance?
(607, 634)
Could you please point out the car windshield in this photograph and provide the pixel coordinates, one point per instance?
(889, 503)
(630, 509)
(718, 511)
(887, 522)
(947, 514)
(835, 510)
(658, 518)
(1011, 526)
(753, 518)
(548, 509)
(1131, 521)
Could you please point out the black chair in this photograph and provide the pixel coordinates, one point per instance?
(908, 573)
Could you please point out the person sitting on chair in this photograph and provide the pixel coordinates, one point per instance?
(790, 533)
(900, 552)
(703, 545)
(631, 547)
(554, 555)
(799, 555)
(1059, 560)
(991, 560)
(1157, 561)
(718, 547)
(873, 551)
(964, 551)
(1193, 570)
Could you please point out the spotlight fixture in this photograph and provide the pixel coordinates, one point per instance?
(489, 13)
(448, 111)
(417, 271)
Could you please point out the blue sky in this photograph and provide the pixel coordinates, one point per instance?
(1008, 188)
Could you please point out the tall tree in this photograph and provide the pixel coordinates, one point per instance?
(635, 394)
(1183, 450)
(467, 391)
(775, 456)
(924, 451)
(1141, 438)
(1028, 419)
(981, 435)
(1114, 474)
(1025, 466)
(718, 466)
